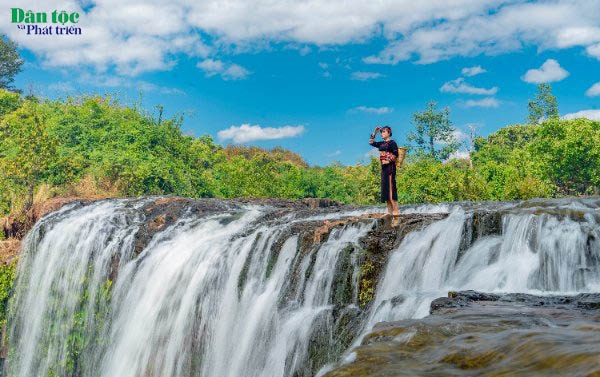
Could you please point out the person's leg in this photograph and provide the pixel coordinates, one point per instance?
(395, 211)
(390, 196)
(393, 192)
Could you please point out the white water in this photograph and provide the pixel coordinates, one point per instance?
(207, 297)
(177, 308)
(538, 254)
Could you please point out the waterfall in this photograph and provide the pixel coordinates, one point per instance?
(234, 292)
(540, 250)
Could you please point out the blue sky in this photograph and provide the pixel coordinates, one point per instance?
(316, 76)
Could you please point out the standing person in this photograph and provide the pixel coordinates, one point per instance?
(388, 153)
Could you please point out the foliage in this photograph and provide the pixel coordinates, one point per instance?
(569, 155)
(543, 105)
(366, 287)
(96, 143)
(434, 134)
(9, 102)
(27, 149)
(7, 277)
(10, 62)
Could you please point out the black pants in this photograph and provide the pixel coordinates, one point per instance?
(388, 182)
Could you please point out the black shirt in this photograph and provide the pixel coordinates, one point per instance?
(386, 146)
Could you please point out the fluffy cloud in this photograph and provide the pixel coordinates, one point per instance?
(135, 37)
(247, 132)
(589, 114)
(486, 102)
(594, 90)
(364, 76)
(577, 36)
(472, 71)
(594, 50)
(227, 71)
(550, 71)
(500, 27)
(459, 86)
(373, 110)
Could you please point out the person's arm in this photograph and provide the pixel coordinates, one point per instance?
(372, 141)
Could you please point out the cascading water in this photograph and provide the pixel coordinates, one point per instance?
(206, 297)
(556, 250)
(229, 293)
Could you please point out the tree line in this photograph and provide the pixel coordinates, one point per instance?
(95, 146)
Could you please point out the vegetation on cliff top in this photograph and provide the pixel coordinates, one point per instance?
(95, 146)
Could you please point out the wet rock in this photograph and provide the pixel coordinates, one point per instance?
(584, 301)
(475, 333)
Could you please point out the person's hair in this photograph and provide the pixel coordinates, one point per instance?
(387, 128)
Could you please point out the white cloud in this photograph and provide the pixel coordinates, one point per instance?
(589, 114)
(364, 76)
(109, 81)
(486, 102)
(577, 36)
(228, 71)
(494, 28)
(336, 153)
(323, 65)
(247, 132)
(460, 155)
(594, 50)
(594, 90)
(472, 71)
(149, 87)
(373, 110)
(131, 38)
(460, 136)
(147, 36)
(304, 51)
(550, 71)
(61, 87)
(459, 86)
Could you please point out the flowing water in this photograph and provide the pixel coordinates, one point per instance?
(229, 293)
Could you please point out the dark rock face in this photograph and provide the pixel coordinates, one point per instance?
(481, 334)
(582, 301)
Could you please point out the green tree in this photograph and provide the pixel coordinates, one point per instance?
(10, 62)
(569, 155)
(543, 105)
(26, 149)
(9, 102)
(434, 134)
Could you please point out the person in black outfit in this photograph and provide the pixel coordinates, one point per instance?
(388, 153)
